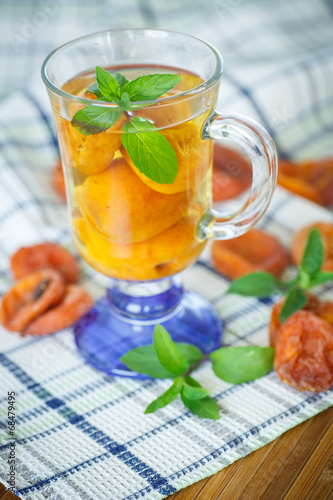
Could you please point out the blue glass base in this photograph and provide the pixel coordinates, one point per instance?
(120, 322)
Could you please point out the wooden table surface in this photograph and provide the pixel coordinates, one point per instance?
(296, 466)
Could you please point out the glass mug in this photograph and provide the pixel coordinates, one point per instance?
(133, 229)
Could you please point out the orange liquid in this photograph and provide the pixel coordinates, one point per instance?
(125, 225)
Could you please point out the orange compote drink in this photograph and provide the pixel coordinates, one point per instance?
(124, 224)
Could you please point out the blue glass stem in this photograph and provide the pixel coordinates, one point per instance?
(126, 318)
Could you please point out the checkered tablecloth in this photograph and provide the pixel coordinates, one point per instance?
(82, 434)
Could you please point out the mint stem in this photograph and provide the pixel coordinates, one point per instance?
(196, 365)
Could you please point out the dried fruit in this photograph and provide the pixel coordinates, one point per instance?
(58, 180)
(253, 251)
(75, 303)
(311, 179)
(29, 297)
(122, 209)
(89, 154)
(312, 305)
(291, 176)
(193, 155)
(232, 173)
(298, 244)
(45, 256)
(304, 352)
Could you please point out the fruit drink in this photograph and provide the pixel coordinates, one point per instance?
(124, 224)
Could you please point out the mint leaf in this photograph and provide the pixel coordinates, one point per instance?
(120, 79)
(257, 284)
(295, 300)
(150, 151)
(168, 353)
(321, 278)
(193, 390)
(123, 102)
(107, 83)
(95, 90)
(95, 119)
(167, 397)
(144, 360)
(205, 407)
(150, 87)
(313, 255)
(191, 352)
(236, 365)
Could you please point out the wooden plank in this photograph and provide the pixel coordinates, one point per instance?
(313, 467)
(295, 462)
(323, 487)
(251, 469)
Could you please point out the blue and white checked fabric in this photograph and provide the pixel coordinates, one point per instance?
(82, 434)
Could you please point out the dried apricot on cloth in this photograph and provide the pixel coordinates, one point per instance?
(312, 179)
(232, 173)
(313, 305)
(29, 297)
(298, 245)
(304, 352)
(75, 303)
(253, 251)
(45, 256)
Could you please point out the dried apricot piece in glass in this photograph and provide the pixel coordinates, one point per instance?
(45, 256)
(58, 180)
(75, 303)
(90, 154)
(165, 254)
(313, 305)
(253, 251)
(29, 297)
(122, 209)
(232, 173)
(298, 244)
(304, 352)
(193, 155)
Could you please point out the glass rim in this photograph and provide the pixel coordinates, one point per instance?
(199, 88)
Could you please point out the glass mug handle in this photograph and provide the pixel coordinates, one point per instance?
(259, 146)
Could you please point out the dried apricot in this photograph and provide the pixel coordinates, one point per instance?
(311, 179)
(322, 177)
(291, 176)
(312, 305)
(232, 173)
(75, 303)
(58, 180)
(90, 154)
(253, 251)
(193, 155)
(304, 352)
(165, 254)
(123, 209)
(45, 256)
(300, 239)
(29, 297)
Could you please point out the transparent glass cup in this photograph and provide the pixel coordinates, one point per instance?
(138, 231)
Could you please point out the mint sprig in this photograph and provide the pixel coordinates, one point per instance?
(148, 149)
(168, 359)
(309, 274)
